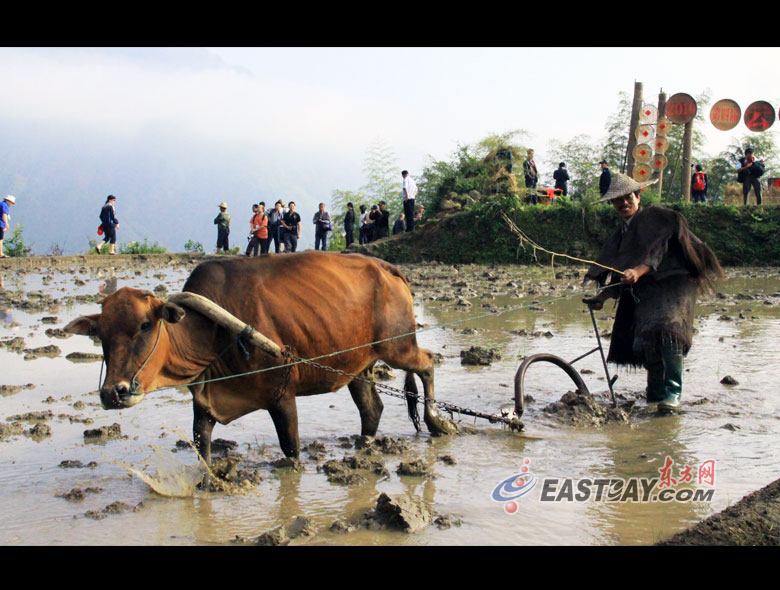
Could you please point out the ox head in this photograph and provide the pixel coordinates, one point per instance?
(135, 344)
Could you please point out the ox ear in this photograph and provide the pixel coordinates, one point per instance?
(171, 313)
(85, 325)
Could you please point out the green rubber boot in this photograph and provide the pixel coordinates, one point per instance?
(673, 368)
(655, 382)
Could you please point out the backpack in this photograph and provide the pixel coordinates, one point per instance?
(757, 169)
(698, 181)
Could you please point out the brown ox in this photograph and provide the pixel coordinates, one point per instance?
(315, 302)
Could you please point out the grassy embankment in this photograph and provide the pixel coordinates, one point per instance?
(740, 236)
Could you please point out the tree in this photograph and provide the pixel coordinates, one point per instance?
(583, 167)
(613, 150)
(384, 177)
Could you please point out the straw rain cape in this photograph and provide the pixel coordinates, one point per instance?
(659, 308)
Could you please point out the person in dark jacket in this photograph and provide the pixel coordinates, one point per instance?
(605, 178)
(382, 225)
(349, 225)
(747, 177)
(561, 177)
(222, 221)
(291, 228)
(531, 175)
(663, 266)
(110, 224)
(275, 226)
(322, 226)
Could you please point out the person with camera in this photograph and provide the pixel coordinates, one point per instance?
(322, 226)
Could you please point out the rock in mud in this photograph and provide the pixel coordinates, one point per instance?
(578, 409)
(57, 333)
(78, 494)
(383, 444)
(14, 389)
(13, 429)
(103, 434)
(49, 351)
(408, 514)
(476, 355)
(75, 463)
(39, 432)
(282, 535)
(113, 508)
(84, 357)
(415, 467)
(729, 380)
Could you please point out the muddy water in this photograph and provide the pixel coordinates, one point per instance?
(734, 425)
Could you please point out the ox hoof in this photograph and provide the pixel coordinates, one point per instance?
(440, 426)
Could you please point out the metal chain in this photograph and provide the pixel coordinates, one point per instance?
(511, 422)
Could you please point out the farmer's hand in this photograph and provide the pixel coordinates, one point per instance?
(632, 275)
(594, 303)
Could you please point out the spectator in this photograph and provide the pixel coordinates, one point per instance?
(254, 242)
(365, 226)
(275, 225)
(322, 226)
(291, 224)
(418, 214)
(605, 178)
(409, 194)
(748, 174)
(222, 221)
(262, 229)
(349, 225)
(561, 177)
(382, 225)
(110, 224)
(398, 226)
(373, 219)
(699, 185)
(5, 219)
(531, 178)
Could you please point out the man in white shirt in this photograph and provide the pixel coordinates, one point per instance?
(410, 192)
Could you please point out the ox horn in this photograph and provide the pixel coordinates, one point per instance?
(225, 319)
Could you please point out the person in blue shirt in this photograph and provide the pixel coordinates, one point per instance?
(5, 216)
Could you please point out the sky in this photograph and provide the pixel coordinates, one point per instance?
(307, 115)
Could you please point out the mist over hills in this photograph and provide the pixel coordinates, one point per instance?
(168, 184)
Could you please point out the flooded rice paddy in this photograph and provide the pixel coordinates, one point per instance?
(59, 486)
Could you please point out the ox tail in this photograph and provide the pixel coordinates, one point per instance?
(411, 400)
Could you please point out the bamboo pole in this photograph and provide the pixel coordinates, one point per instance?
(686, 161)
(661, 113)
(637, 105)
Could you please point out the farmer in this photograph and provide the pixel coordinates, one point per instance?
(664, 266)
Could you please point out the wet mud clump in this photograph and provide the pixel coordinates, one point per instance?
(347, 470)
(753, 521)
(283, 535)
(582, 409)
(113, 508)
(476, 355)
(103, 434)
(407, 513)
